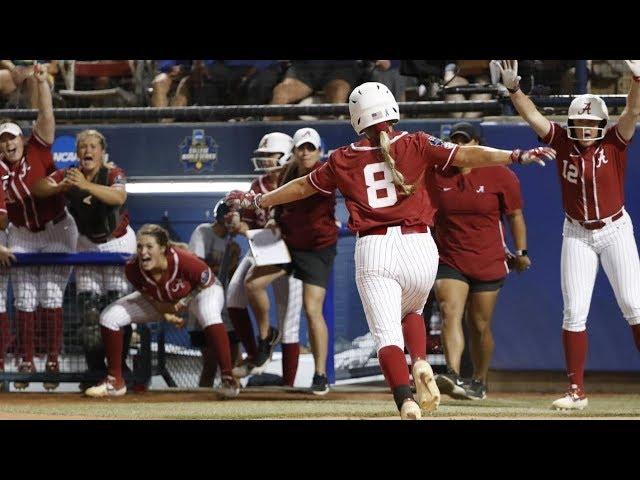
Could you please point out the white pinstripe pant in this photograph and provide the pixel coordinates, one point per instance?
(287, 291)
(394, 274)
(615, 246)
(4, 277)
(102, 279)
(42, 285)
(134, 308)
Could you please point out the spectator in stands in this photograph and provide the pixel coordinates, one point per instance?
(335, 78)
(207, 83)
(473, 267)
(209, 242)
(17, 84)
(96, 198)
(387, 72)
(309, 229)
(165, 83)
(464, 72)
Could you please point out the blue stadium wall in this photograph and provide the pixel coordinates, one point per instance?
(527, 322)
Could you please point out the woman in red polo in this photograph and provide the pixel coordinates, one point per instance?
(473, 265)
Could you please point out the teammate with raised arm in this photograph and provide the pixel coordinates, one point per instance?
(37, 225)
(396, 259)
(591, 168)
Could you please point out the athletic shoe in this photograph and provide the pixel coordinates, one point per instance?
(574, 399)
(25, 367)
(265, 351)
(244, 369)
(427, 391)
(451, 384)
(410, 411)
(229, 388)
(107, 388)
(476, 390)
(320, 385)
(54, 369)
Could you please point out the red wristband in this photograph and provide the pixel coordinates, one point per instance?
(515, 156)
(636, 79)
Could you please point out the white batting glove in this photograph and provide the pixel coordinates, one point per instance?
(634, 66)
(509, 73)
(535, 155)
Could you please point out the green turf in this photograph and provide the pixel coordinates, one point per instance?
(533, 406)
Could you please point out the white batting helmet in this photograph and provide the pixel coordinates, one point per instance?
(274, 142)
(372, 103)
(587, 107)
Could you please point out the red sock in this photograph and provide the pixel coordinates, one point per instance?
(635, 329)
(575, 354)
(5, 336)
(244, 329)
(415, 336)
(394, 366)
(26, 323)
(216, 337)
(112, 340)
(52, 319)
(290, 355)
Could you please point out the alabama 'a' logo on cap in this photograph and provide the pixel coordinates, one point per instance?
(586, 108)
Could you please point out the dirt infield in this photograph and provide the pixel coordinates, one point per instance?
(279, 403)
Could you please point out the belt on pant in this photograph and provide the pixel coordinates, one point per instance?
(382, 230)
(58, 219)
(596, 224)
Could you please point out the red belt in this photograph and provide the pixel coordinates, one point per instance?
(58, 219)
(382, 230)
(597, 224)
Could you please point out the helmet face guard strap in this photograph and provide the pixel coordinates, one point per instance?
(572, 131)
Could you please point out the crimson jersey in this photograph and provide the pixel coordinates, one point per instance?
(468, 224)
(310, 224)
(592, 178)
(184, 272)
(367, 183)
(116, 178)
(17, 181)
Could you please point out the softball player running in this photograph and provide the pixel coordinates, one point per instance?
(396, 258)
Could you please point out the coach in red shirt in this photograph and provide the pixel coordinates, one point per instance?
(310, 231)
(473, 265)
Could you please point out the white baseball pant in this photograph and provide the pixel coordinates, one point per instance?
(287, 291)
(42, 285)
(4, 277)
(615, 246)
(102, 279)
(135, 308)
(394, 274)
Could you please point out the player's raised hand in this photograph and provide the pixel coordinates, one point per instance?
(40, 72)
(535, 155)
(509, 73)
(634, 66)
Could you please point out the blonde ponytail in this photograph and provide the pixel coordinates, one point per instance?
(398, 178)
